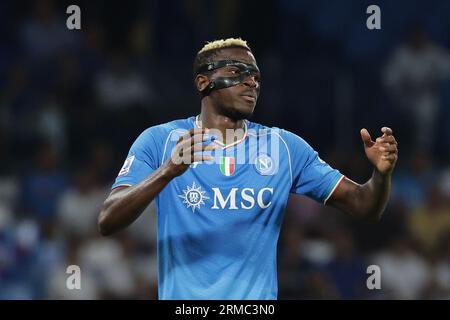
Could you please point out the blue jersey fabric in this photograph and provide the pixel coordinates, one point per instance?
(218, 225)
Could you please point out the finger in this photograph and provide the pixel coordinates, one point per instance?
(388, 148)
(187, 150)
(199, 140)
(365, 136)
(196, 138)
(386, 131)
(203, 147)
(190, 133)
(193, 131)
(201, 134)
(386, 139)
(181, 156)
(185, 143)
(186, 135)
(389, 139)
(390, 157)
(202, 157)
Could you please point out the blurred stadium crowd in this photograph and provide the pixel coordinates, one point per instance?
(72, 102)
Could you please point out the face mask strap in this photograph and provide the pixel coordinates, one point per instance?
(225, 82)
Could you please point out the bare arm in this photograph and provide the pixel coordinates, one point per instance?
(364, 202)
(125, 204)
(368, 201)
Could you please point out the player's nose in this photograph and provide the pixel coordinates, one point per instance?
(250, 81)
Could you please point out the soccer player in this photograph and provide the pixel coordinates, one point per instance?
(221, 197)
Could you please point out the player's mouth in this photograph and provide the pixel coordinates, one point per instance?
(250, 97)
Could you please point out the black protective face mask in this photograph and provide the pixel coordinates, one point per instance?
(246, 70)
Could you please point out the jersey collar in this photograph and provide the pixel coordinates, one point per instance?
(198, 124)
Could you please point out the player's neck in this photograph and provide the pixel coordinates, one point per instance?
(211, 120)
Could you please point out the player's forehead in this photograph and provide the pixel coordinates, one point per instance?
(238, 54)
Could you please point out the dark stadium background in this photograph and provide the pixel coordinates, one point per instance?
(72, 102)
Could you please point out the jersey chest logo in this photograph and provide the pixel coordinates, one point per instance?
(193, 197)
(247, 198)
(264, 165)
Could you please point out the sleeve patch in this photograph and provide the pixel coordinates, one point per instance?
(126, 166)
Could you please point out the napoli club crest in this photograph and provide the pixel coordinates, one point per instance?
(264, 165)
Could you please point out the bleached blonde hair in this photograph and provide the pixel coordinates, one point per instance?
(224, 43)
(210, 49)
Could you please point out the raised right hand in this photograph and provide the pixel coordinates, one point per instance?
(190, 148)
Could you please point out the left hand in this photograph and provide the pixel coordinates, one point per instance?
(382, 152)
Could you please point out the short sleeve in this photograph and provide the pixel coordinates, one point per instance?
(311, 176)
(141, 161)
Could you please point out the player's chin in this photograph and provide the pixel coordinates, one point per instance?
(246, 105)
(245, 111)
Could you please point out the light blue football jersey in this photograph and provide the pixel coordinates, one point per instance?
(219, 222)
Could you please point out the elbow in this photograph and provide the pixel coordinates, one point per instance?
(368, 216)
(103, 224)
(371, 217)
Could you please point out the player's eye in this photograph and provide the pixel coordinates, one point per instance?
(257, 77)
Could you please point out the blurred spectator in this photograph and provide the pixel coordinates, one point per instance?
(444, 184)
(70, 86)
(42, 186)
(17, 100)
(93, 50)
(51, 123)
(347, 268)
(45, 34)
(442, 267)
(13, 96)
(318, 286)
(404, 273)
(105, 261)
(290, 260)
(103, 161)
(145, 227)
(9, 188)
(431, 222)
(141, 39)
(303, 261)
(413, 76)
(57, 287)
(120, 86)
(21, 275)
(80, 205)
(439, 285)
(412, 182)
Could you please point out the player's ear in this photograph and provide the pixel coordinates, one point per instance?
(201, 82)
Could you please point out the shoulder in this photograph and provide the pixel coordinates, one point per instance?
(155, 138)
(164, 130)
(288, 138)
